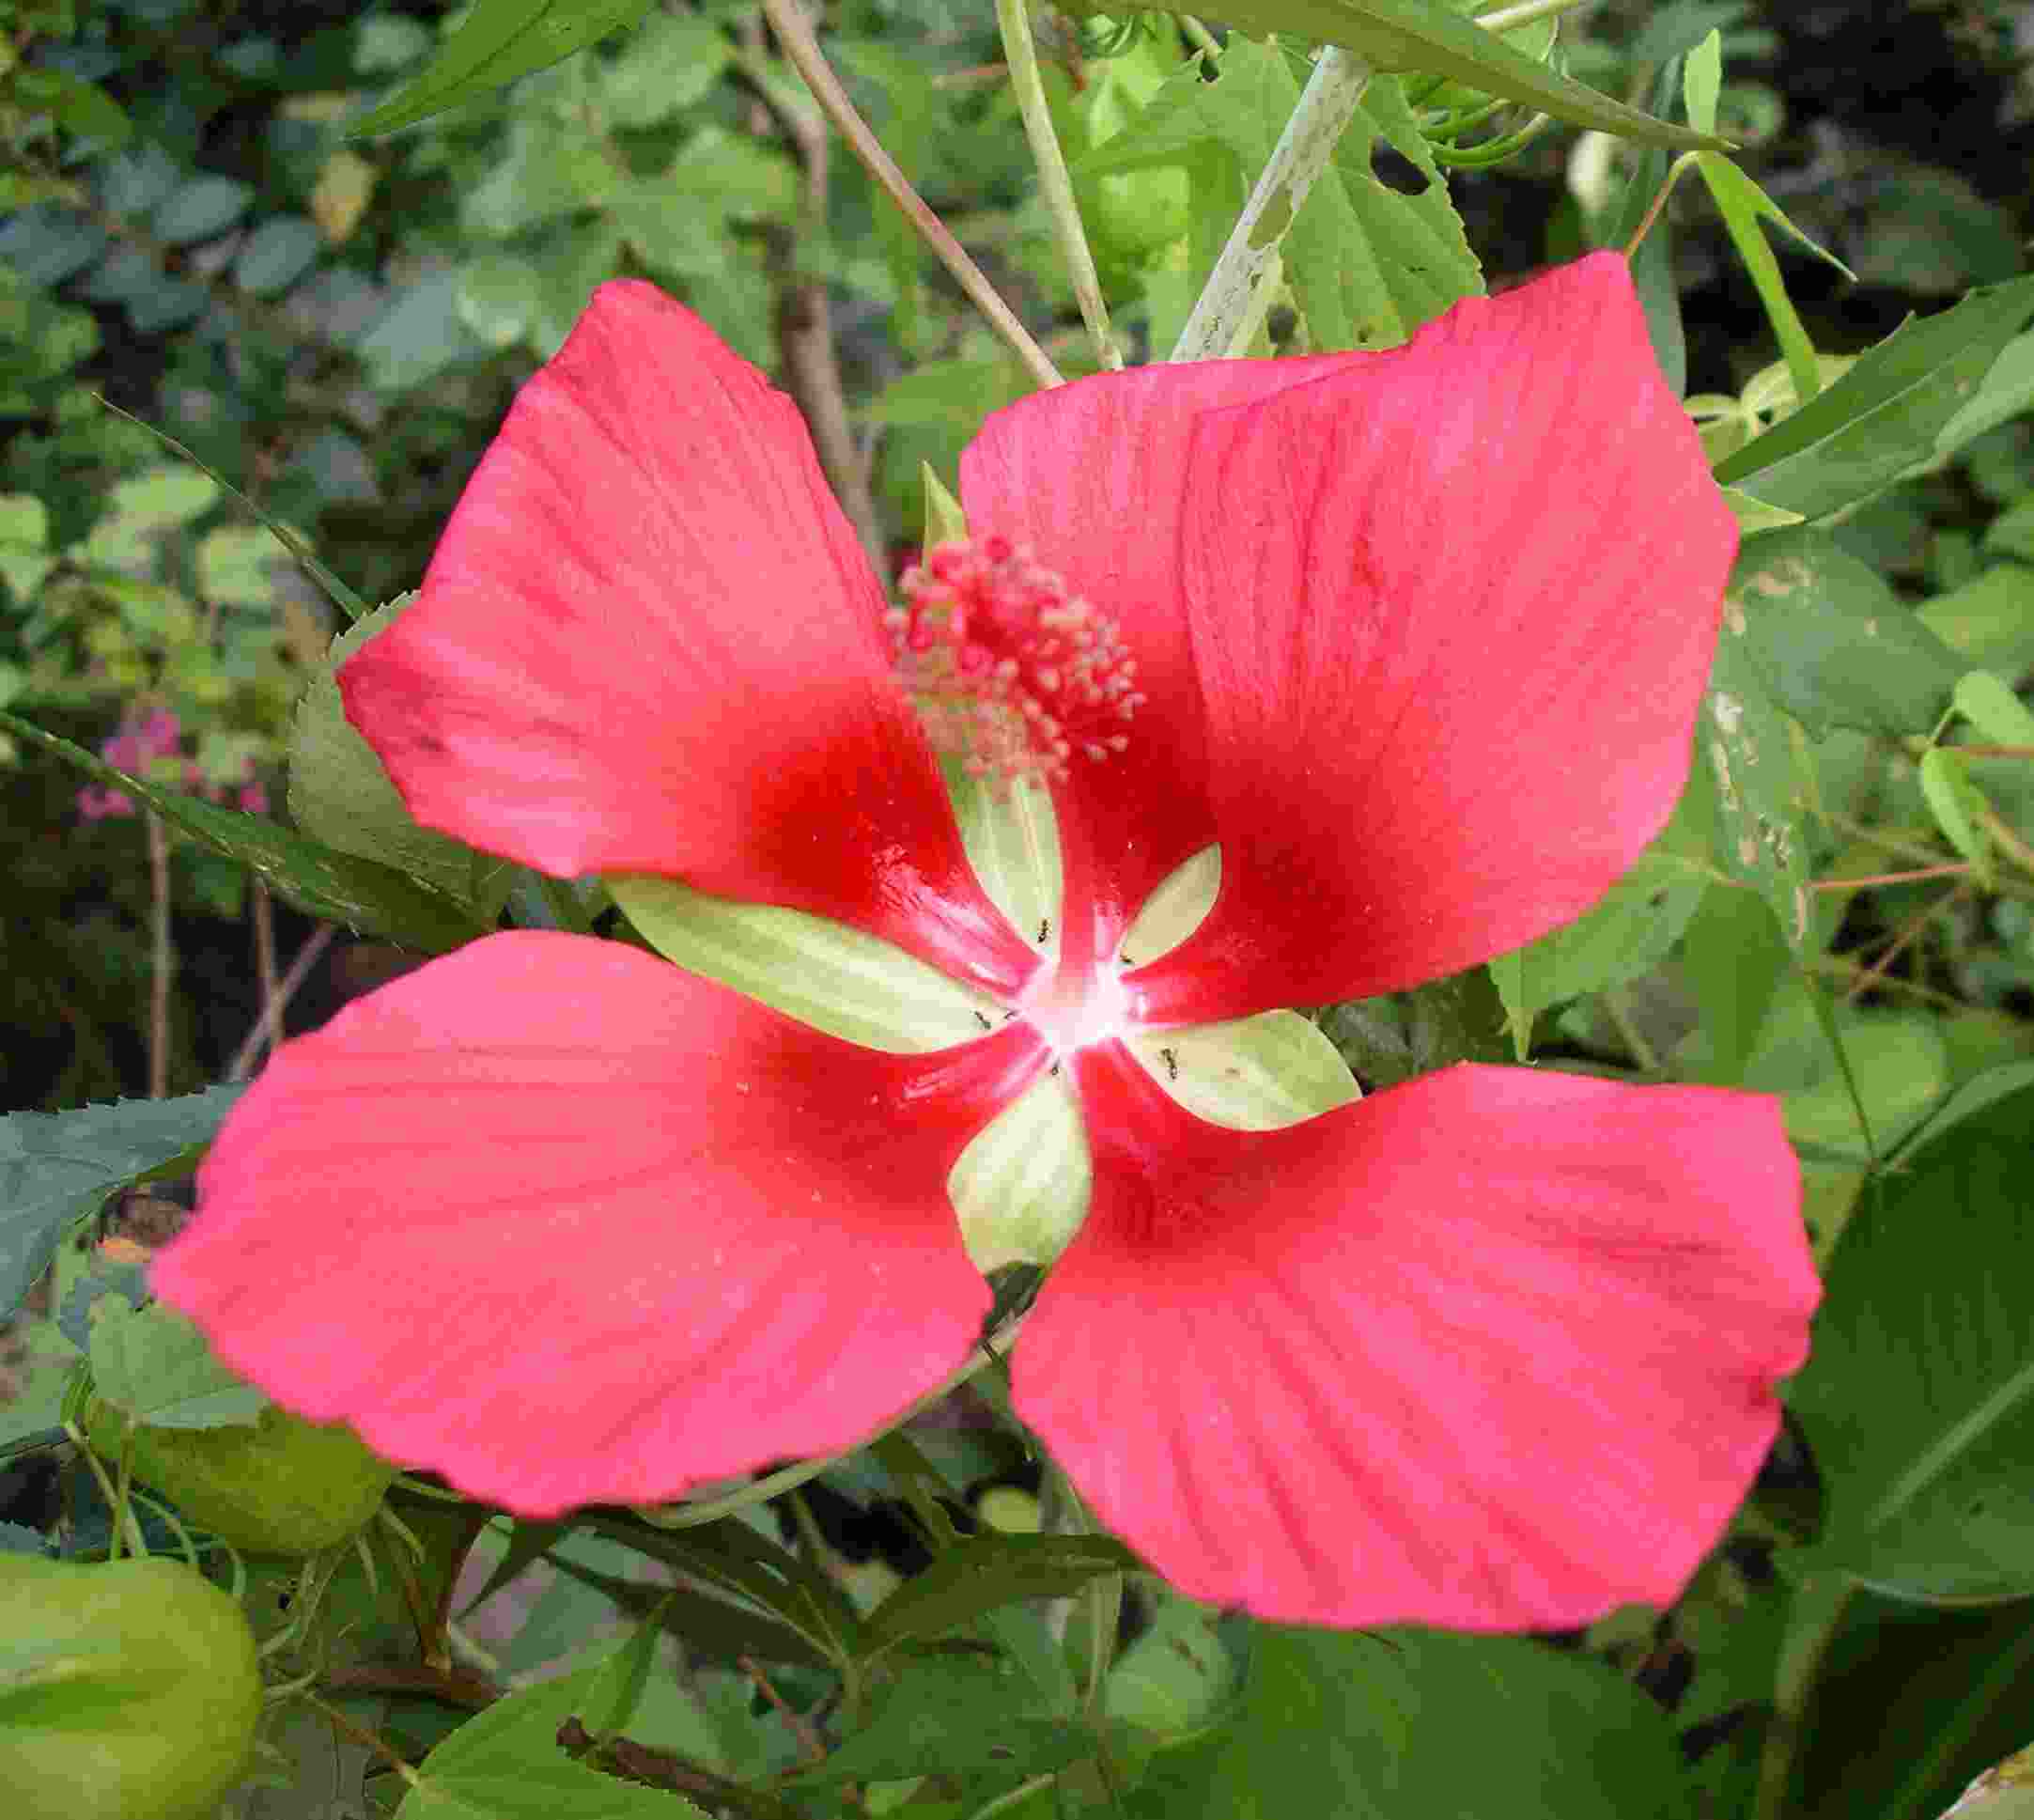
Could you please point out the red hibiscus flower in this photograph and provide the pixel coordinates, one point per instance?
(1415, 638)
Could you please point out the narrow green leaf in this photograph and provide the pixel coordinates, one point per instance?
(58, 1168)
(984, 1571)
(1743, 205)
(1918, 1395)
(1957, 804)
(1883, 415)
(1400, 35)
(1702, 81)
(337, 887)
(498, 41)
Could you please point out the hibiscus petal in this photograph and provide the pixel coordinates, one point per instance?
(649, 643)
(569, 1225)
(1452, 612)
(1092, 476)
(1495, 1349)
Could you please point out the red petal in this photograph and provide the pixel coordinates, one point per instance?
(1493, 1351)
(1452, 613)
(569, 1225)
(649, 643)
(1092, 476)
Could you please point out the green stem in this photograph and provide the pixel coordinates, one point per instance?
(1509, 18)
(1247, 267)
(1014, 21)
(1813, 1623)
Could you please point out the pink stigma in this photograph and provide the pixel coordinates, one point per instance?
(1009, 672)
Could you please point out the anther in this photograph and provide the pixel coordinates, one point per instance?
(1009, 672)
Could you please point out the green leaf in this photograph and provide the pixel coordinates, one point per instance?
(1994, 709)
(1385, 1724)
(668, 65)
(1918, 1397)
(77, 107)
(2006, 390)
(200, 208)
(126, 1687)
(1958, 806)
(418, 335)
(1887, 412)
(340, 794)
(1702, 80)
(277, 254)
(505, 1764)
(984, 1571)
(58, 1168)
(337, 887)
(1178, 1674)
(497, 42)
(1627, 934)
(1367, 264)
(1755, 770)
(1396, 35)
(1743, 205)
(1833, 643)
(153, 1365)
(949, 1714)
(1990, 620)
(824, 973)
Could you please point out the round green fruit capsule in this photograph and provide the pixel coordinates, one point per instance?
(129, 1691)
(280, 1486)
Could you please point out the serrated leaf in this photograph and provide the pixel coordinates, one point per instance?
(319, 880)
(341, 794)
(984, 1571)
(1398, 35)
(153, 1365)
(56, 1168)
(1367, 264)
(1887, 412)
(1833, 643)
(1918, 1395)
(505, 1764)
(498, 41)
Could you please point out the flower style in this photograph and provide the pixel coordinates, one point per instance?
(1415, 638)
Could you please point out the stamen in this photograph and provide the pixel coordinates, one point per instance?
(1009, 672)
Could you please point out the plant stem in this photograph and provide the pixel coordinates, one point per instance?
(162, 957)
(263, 1034)
(1248, 262)
(795, 34)
(1014, 21)
(1509, 18)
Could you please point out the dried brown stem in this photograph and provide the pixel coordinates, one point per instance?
(795, 34)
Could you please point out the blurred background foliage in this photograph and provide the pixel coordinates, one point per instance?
(335, 327)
